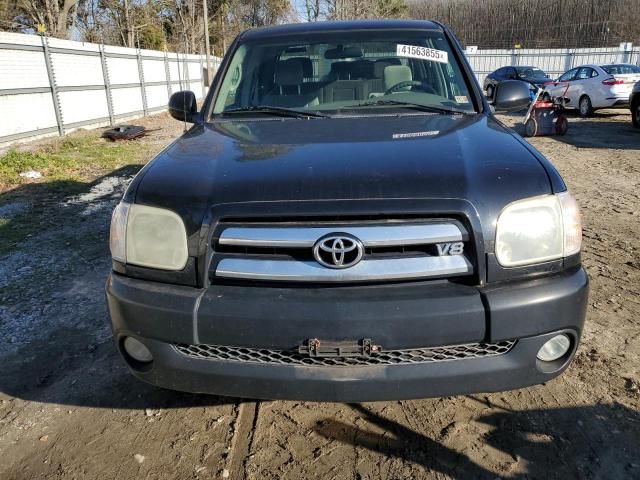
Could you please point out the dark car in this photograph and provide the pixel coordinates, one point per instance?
(634, 105)
(346, 220)
(532, 75)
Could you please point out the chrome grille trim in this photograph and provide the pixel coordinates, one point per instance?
(371, 236)
(404, 268)
(385, 357)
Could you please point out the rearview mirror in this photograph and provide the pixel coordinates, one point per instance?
(183, 106)
(343, 52)
(511, 95)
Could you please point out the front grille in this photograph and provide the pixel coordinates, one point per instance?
(391, 250)
(384, 357)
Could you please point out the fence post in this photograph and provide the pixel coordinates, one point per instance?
(107, 84)
(567, 60)
(204, 91)
(52, 84)
(628, 54)
(167, 74)
(186, 71)
(179, 76)
(143, 90)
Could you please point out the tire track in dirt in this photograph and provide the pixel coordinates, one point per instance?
(242, 440)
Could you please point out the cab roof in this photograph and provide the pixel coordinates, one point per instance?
(336, 26)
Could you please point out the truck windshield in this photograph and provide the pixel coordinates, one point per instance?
(336, 71)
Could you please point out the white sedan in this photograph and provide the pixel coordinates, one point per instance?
(591, 87)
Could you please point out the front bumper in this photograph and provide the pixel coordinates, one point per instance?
(529, 312)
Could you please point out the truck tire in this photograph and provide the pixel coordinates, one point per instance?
(635, 114)
(584, 106)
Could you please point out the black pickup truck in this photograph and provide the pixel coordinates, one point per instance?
(346, 220)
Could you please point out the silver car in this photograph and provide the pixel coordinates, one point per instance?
(592, 87)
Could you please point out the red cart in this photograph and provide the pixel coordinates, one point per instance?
(545, 115)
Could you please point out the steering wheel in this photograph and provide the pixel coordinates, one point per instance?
(425, 87)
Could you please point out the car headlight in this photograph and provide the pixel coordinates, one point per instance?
(148, 237)
(538, 230)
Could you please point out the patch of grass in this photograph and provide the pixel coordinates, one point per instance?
(78, 157)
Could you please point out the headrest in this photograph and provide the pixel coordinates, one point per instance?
(288, 72)
(341, 70)
(380, 65)
(307, 66)
(343, 52)
(363, 69)
(395, 74)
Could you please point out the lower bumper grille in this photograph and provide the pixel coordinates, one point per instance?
(385, 357)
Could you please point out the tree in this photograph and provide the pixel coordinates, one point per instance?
(354, 9)
(52, 16)
(314, 10)
(129, 23)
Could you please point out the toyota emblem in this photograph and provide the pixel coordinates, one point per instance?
(338, 251)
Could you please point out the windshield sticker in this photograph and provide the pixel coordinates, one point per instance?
(416, 134)
(462, 99)
(423, 53)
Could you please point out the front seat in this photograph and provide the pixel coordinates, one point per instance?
(376, 84)
(395, 74)
(287, 91)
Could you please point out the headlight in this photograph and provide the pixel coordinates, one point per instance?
(118, 232)
(148, 237)
(538, 230)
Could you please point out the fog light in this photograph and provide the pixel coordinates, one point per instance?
(137, 350)
(555, 348)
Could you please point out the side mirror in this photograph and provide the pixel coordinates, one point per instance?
(183, 106)
(511, 95)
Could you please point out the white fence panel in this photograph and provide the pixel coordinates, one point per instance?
(26, 112)
(123, 70)
(154, 70)
(20, 39)
(77, 70)
(84, 105)
(127, 101)
(157, 96)
(175, 71)
(22, 69)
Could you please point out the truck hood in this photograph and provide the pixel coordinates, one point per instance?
(468, 157)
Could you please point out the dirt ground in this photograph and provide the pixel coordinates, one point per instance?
(69, 409)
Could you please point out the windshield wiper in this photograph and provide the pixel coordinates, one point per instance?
(414, 106)
(279, 111)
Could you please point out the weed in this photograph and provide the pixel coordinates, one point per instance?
(78, 157)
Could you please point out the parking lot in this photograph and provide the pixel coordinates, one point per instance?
(69, 408)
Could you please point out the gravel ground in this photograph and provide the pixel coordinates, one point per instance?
(69, 409)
